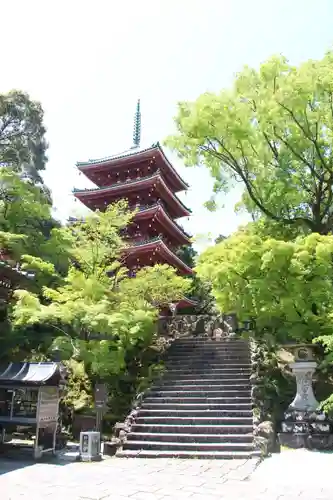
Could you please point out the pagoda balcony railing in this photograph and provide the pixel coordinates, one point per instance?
(142, 241)
(142, 208)
(136, 242)
(125, 154)
(114, 187)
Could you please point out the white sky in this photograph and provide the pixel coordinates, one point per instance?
(89, 61)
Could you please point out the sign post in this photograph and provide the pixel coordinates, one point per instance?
(101, 396)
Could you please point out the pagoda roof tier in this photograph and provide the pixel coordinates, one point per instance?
(186, 302)
(157, 246)
(160, 214)
(109, 194)
(134, 156)
(182, 303)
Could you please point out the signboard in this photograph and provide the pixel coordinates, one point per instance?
(48, 405)
(101, 395)
(230, 320)
(47, 420)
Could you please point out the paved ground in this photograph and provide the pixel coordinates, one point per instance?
(291, 475)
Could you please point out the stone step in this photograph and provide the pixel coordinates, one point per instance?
(206, 340)
(219, 357)
(215, 375)
(196, 406)
(195, 412)
(231, 402)
(200, 407)
(197, 350)
(207, 367)
(193, 394)
(227, 367)
(210, 346)
(184, 419)
(243, 390)
(193, 428)
(209, 358)
(206, 352)
(222, 370)
(168, 437)
(209, 455)
(226, 382)
(203, 385)
(234, 363)
(161, 445)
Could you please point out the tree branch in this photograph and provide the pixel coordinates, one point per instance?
(231, 161)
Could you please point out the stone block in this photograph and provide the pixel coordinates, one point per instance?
(110, 448)
(291, 440)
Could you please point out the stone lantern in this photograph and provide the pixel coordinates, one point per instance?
(303, 368)
(304, 426)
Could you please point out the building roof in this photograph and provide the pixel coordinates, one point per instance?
(30, 374)
(158, 244)
(159, 211)
(186, 302)
(130, 184)
(84, 166)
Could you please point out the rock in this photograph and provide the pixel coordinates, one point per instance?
(110, 447)
(119, 426)
(122, 435)
(256, 420)
(265, 437)
(265, 429)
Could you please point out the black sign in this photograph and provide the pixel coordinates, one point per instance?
(231, 321)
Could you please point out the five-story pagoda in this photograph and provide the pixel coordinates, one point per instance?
(148, 181)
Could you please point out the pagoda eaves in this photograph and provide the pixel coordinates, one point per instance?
(149, 183)
(98, 198)
(101, 171)
(152, 252)
(160, 221)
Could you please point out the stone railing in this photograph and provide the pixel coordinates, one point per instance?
(184, 325)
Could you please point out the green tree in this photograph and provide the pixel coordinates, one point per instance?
(156, 286)
(285, 285)
(22, 135)
(98, 313)
(28, 232)
(199, 290)
(272, 131)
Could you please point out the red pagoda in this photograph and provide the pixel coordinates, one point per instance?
(148, 181)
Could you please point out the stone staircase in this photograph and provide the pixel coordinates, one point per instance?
(201, 407)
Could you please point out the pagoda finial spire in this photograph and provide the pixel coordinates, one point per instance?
(137, 126)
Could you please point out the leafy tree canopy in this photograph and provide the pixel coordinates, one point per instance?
(200, 290)
(98, 313)
(22, 135)
(27, 230)
(285, 285)
(272, 131)
(157, 286)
